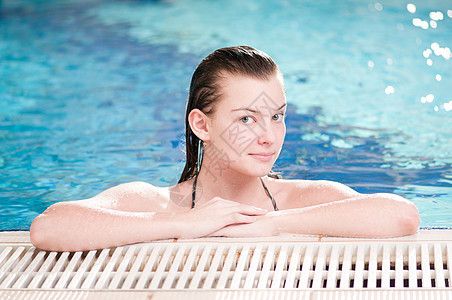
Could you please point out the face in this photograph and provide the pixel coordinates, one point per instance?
(247, 127)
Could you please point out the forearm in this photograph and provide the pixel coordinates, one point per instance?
(373, 216)
(75, 227)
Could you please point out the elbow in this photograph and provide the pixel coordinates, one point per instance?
(44, 232)
(402, 216)
(409, 220)
(38, 234)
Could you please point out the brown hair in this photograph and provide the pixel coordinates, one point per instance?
(205, 88)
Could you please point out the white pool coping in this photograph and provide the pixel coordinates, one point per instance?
(428, 236)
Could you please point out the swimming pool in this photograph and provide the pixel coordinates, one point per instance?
(93, 94)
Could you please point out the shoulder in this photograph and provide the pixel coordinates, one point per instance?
(302, 193)
(329, 187)
(126, 189)
(133, 196)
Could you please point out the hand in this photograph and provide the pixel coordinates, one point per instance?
(264, 226)
(215, 214)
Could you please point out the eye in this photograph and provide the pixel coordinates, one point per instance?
(247, 120)
(278, 117)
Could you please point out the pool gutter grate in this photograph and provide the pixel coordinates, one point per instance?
(227, 266)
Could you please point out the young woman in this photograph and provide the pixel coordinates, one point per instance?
(234, 133)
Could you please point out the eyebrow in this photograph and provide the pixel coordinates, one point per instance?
(255, 111)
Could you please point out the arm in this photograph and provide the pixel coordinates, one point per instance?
(336, 209)
(107, 220)
(371, 216)
(82, 225)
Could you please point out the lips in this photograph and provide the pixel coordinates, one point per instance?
(262, 156)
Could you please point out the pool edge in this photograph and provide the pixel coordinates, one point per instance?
(23, 237)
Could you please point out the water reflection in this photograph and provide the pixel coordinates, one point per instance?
(378, 6)
(420, 23)
(444, 52)
(389, 90)
(429, 98)
(448, 106)
(436, 16)
(411, 8)
(435, 48)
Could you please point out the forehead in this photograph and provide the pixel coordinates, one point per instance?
(245, 92)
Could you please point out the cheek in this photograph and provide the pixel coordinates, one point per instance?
(283, 133)
(236, 137)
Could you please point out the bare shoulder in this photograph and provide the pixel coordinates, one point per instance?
(330, 187)
(133, 196)
(303, 193)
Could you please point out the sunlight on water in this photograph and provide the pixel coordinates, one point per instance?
(411, 8)
(389, 90)
(448, 106)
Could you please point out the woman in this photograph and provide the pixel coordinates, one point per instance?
(234, 132)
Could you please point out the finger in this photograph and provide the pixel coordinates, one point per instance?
(249, 210)
(225, 231)
(220, 233)
(232, 231)
(238, 218)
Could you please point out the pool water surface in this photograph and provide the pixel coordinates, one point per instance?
(93, 94)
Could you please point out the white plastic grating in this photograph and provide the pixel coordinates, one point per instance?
(219, 266)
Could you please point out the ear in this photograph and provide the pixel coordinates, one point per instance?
(198, 124)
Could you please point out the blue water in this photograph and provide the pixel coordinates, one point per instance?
(92, 94)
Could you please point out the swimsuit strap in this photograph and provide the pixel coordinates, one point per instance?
(193, 193)
(269, 194)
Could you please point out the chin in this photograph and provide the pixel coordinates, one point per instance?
(256, 170)
(260, 174)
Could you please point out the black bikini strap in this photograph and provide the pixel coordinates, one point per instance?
(269, 194)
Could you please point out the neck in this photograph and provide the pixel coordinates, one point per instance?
(228, 185)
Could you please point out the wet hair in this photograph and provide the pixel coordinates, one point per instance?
(205, 89)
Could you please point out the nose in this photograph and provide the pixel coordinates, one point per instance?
(267, 134)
